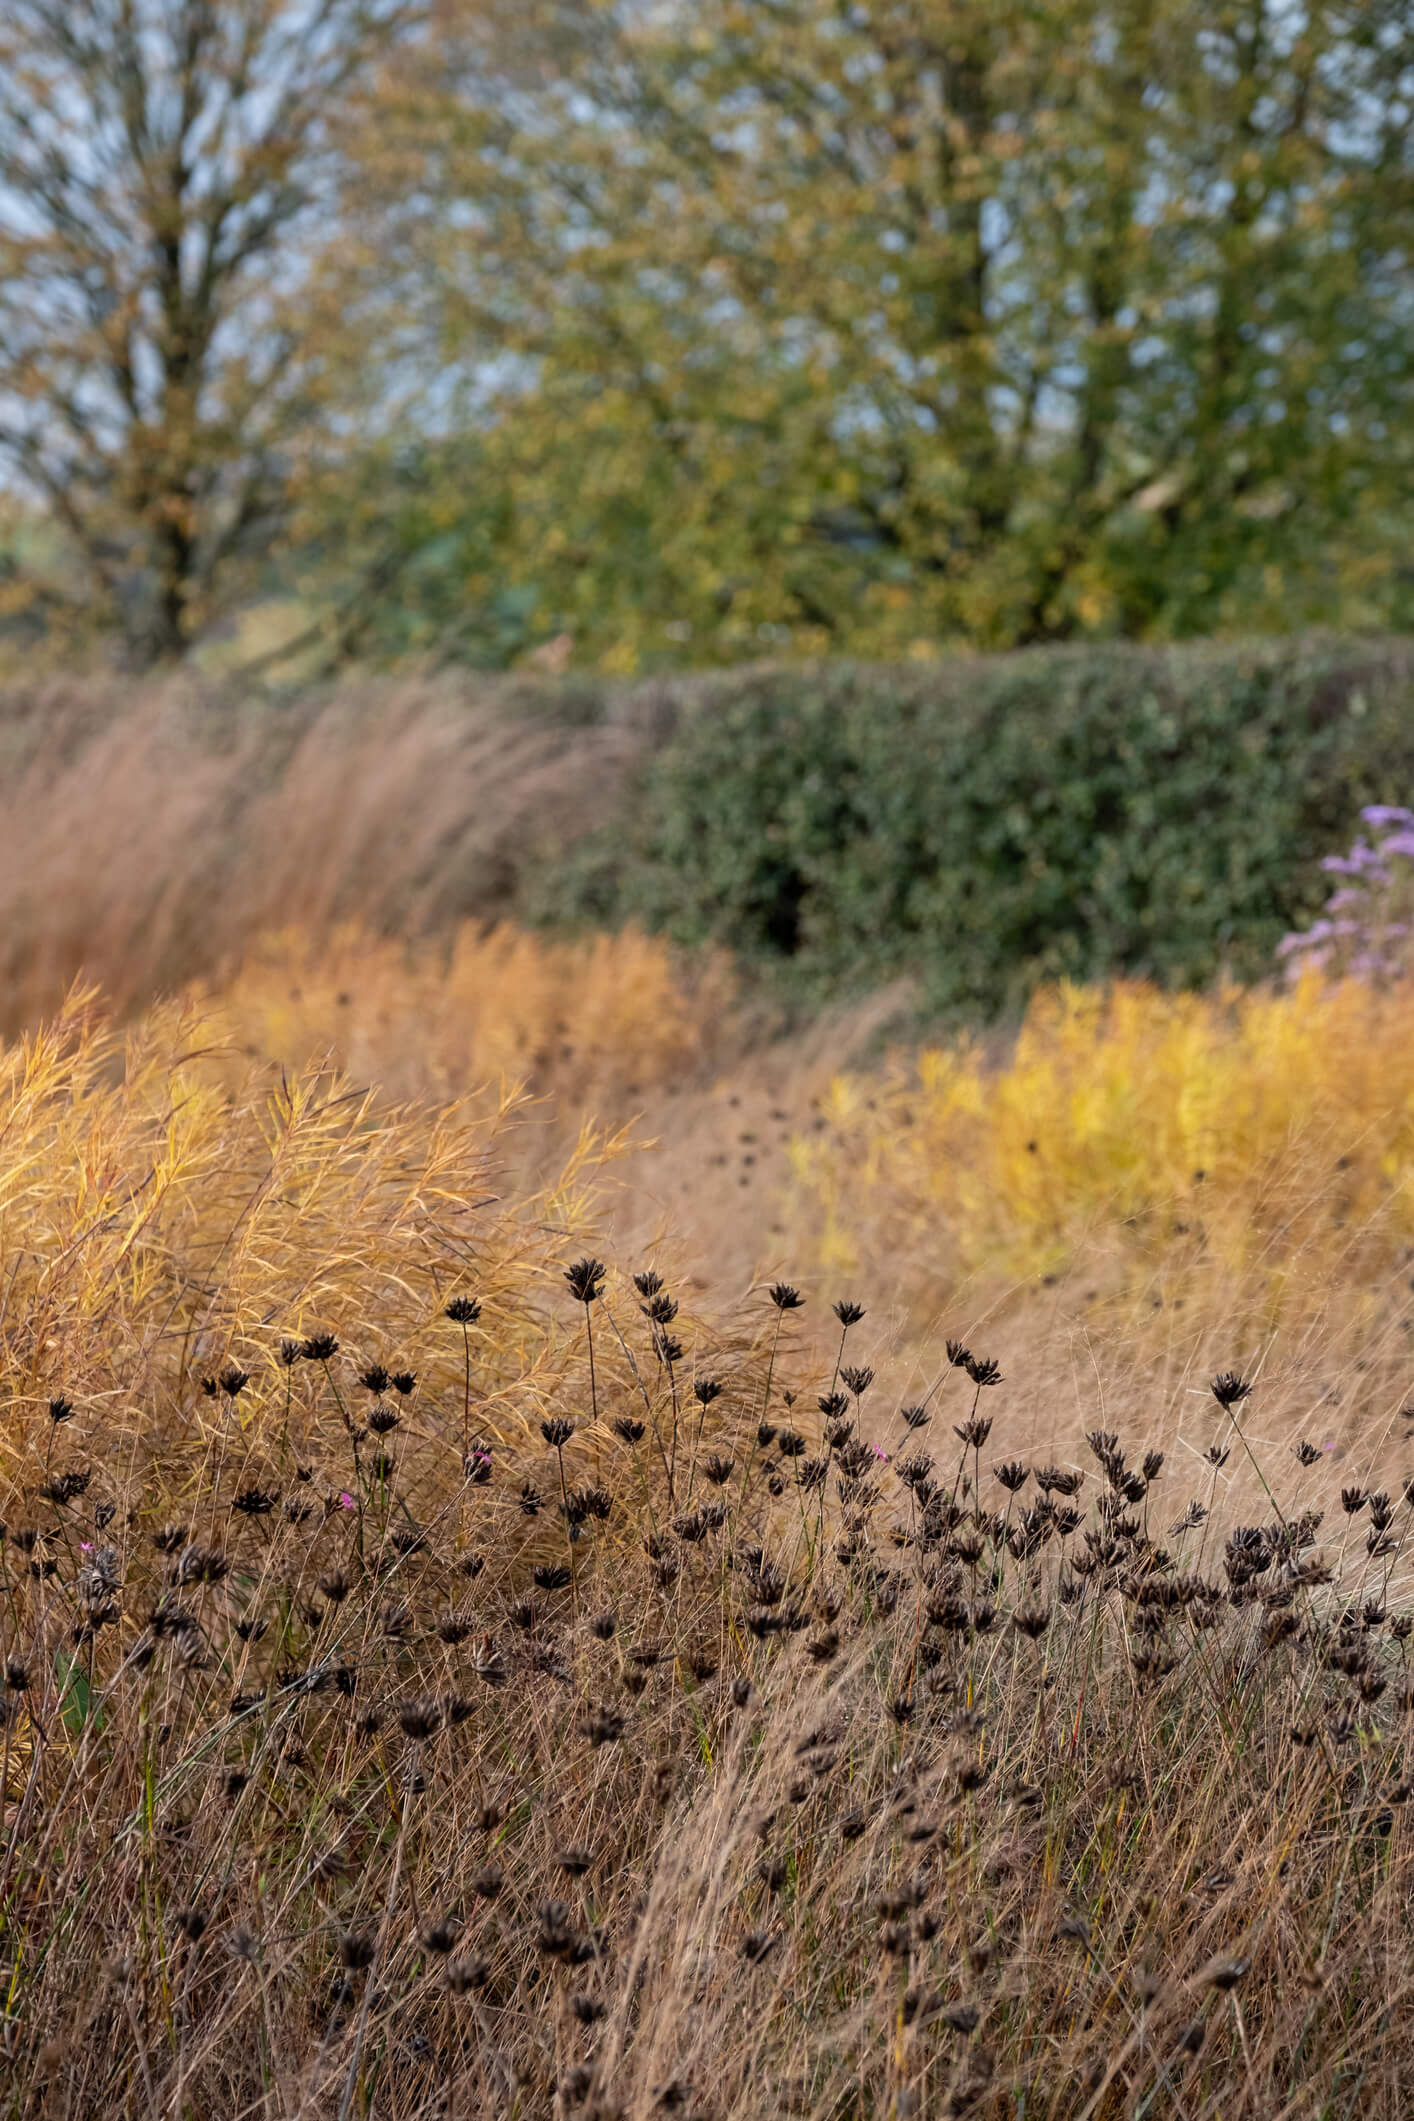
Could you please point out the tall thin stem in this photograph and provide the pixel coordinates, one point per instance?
(569, 1528)
(593, 1389)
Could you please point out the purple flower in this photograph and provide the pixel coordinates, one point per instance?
(1355, 925)
(346, 1501)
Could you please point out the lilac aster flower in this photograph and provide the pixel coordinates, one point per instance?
(1362, 929)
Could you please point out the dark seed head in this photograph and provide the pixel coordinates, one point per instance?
(420, 1719)
(1224, 1973)
(462, 1976)
(255, 1502)
(586, 1280)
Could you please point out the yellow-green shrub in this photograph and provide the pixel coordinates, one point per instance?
(1251, 1129)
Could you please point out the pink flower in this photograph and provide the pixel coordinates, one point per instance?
(346, 1501)
(882, 1456)
(85, 1546)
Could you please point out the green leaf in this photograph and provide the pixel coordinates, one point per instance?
(75, 1694)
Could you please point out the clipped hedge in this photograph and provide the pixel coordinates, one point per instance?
(989, 823)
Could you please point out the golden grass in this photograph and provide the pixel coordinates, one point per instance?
(529, 1733)
(156, 1223)
(593, 1025)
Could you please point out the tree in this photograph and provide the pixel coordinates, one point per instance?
(166, 169)
(872, 322)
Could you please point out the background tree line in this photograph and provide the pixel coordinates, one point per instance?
(693, 333)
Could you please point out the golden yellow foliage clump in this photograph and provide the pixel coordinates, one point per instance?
(1252, 1132)
(593, 1022)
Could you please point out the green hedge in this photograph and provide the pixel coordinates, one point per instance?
(988, 823)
